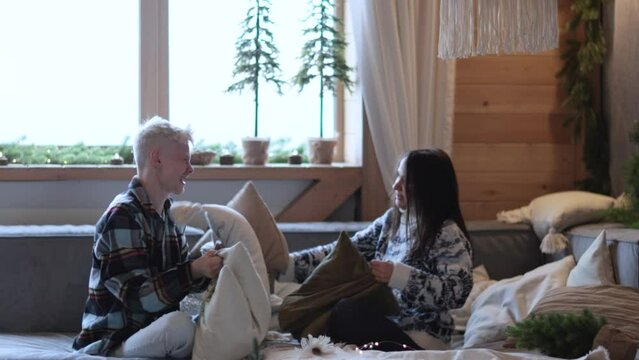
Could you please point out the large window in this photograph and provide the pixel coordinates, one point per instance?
(76, 71)
(201, 59)
(68, 71)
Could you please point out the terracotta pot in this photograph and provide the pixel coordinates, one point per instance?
(321, 150)
(255, 150)
(295, 160)
(202, 157)
(227, 160)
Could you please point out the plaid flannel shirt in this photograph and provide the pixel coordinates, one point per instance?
(140, 271)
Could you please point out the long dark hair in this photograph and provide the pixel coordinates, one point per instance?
(432, 196)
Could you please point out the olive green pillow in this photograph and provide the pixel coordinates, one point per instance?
(342, 274)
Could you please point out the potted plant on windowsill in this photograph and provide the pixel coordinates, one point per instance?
(256, 60)
(202, 155)
(323, 58)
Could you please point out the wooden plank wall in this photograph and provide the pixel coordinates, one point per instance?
(509, 145)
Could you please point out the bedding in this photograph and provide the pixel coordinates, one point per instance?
(331, 351)
(42, 346)
(57, 346)
(511, 300)
(239, 308)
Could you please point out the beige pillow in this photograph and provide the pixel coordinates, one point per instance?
(230, 228)
(553, 213)
(237, 311)
(595, 265)
(618, 304)
(481, 281)
(249, 203)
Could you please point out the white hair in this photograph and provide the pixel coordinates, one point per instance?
(153, 133)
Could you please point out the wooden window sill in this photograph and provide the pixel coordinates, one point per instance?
(330, 185)
(210, 172)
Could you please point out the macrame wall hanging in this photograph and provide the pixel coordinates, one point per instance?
(482, 27)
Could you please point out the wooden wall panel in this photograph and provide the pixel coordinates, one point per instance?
(509, 145)
(509, 186)
(507, 98)
(517, 128)
(479, 158)
(500, 70)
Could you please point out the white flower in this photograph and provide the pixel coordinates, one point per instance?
(318, 346)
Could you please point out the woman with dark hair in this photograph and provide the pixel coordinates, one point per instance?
(420, 249)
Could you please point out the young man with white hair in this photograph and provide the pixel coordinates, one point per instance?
(140, 269)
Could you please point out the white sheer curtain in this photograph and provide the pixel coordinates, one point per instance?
(408, 92)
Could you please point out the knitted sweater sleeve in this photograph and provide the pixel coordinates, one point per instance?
(444, 279)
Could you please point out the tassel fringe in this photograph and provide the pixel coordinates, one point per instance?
(553, 242)
(482, 27)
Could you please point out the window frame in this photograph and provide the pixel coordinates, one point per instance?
(154, 71)
(154, 100)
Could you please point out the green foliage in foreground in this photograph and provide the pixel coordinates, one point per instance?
(563, 335)
(81, 154)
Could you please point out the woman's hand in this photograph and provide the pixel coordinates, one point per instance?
(208, 265)
(382, 270)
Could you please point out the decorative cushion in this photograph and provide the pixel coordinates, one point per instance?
(552, 213)
(595, 265)
(230, 228)
(619, 344)
(618, 304)
(236, 312)
(481, 281)
(342, 273)
(511, 300)
(250, 204)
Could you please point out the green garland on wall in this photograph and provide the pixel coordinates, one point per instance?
(582, 58)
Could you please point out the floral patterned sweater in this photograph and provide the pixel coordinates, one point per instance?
(426, 288)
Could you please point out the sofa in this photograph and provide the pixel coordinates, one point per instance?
(44, 271)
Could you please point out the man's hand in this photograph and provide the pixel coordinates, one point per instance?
(208, 265)
(382, 270)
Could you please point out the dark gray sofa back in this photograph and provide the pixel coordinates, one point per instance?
(44, 270)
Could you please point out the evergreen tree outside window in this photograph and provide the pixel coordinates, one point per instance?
(256, 56)
(323, 54)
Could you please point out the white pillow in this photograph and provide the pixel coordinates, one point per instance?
(238, 312)
(553, 213)
(230, 228)
(595, 265)
(511, 300)
(481, 281)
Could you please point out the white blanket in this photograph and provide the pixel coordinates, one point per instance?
(49, 346)
(279, 353)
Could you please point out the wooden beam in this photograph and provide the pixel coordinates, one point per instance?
(322, 198)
